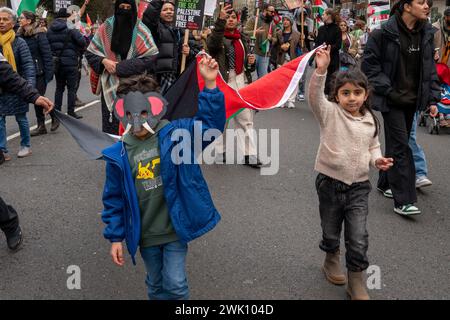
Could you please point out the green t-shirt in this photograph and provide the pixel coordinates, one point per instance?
(144, 159)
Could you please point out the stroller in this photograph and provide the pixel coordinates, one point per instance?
(434, 124)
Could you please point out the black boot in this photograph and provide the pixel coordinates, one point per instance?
(55, 124)
(2, 157)
(14, 239)
(41, 129)
(252, 161)
(75, 115)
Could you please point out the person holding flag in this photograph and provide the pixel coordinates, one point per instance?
(229, 47)
(263, 37)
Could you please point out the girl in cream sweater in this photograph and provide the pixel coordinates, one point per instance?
(348, 146)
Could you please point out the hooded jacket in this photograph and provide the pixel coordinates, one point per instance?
(191, 208)
(57, 35)
(36, 39)
(381, 63)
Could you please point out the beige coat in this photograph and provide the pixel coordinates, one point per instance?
(439, 41)
(347, 145)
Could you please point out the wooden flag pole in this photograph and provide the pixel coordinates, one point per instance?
(183, 58)
(256, 23)
(302, 42)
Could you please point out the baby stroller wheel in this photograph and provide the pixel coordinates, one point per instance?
(421, 121)
(430, 125)
(436, 125)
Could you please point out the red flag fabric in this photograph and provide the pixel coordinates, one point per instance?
(88, 20)
(271, 91)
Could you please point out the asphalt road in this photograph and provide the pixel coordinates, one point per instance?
(265, 247)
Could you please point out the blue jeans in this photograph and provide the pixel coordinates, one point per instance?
(24, 129)
(418, 154)
(166, 271)
(262, 63)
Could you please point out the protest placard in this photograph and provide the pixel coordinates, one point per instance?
(58, 4)
(189, 14)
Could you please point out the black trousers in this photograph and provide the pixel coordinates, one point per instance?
(340, 204)
(401, 178)
(41, 87)
(9, 220)
(66, 77)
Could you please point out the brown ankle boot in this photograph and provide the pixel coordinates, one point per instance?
(55, 124)
(356, 288)
(332, 269)
(41, 129)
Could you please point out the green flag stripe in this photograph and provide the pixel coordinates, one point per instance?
(29, 5)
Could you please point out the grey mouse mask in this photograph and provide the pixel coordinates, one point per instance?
(138, 110)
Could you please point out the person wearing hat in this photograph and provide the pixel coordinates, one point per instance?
(398, 61)
(67, 44)
(287, 40)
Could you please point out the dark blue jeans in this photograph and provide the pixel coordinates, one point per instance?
(340, 203)
(66, 77)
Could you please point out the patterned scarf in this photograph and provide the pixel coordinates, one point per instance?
(236, 52)
(142, 46)
(6, 41)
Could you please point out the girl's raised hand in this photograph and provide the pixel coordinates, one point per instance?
(322, 59)
(384, 164)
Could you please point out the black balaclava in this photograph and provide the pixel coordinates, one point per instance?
(124, 23)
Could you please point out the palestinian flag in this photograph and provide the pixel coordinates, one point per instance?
(268, 92)
(21, 5)
(319, 6)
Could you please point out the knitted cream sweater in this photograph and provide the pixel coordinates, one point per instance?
(347, 146)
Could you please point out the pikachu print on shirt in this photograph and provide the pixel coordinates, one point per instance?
(148, 169)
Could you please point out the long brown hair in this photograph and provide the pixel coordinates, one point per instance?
(359, 79)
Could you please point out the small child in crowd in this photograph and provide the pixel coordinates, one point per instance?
(348, 146)
(150, 199)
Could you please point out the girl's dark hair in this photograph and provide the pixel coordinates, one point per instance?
(29, 15)
(357, 78)
(142, 83)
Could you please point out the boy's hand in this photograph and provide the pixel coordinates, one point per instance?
(117, 253)
(384, 163)
(208, 70)
(323, 59)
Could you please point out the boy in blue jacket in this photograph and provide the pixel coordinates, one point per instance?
(150, 199)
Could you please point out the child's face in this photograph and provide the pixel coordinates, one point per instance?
(351, 98)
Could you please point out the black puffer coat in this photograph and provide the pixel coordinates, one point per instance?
(36, 39)
(381, 60)
(168, 39)
(13, 83)
(57, 34)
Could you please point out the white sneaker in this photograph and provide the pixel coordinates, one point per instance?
(407, 210)
(423, 181)
(301, 97)
(291, 105)
(24, 152)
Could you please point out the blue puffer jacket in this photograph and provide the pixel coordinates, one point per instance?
(191, 208)
(41, 52)
(57, 34)
(11, 104)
